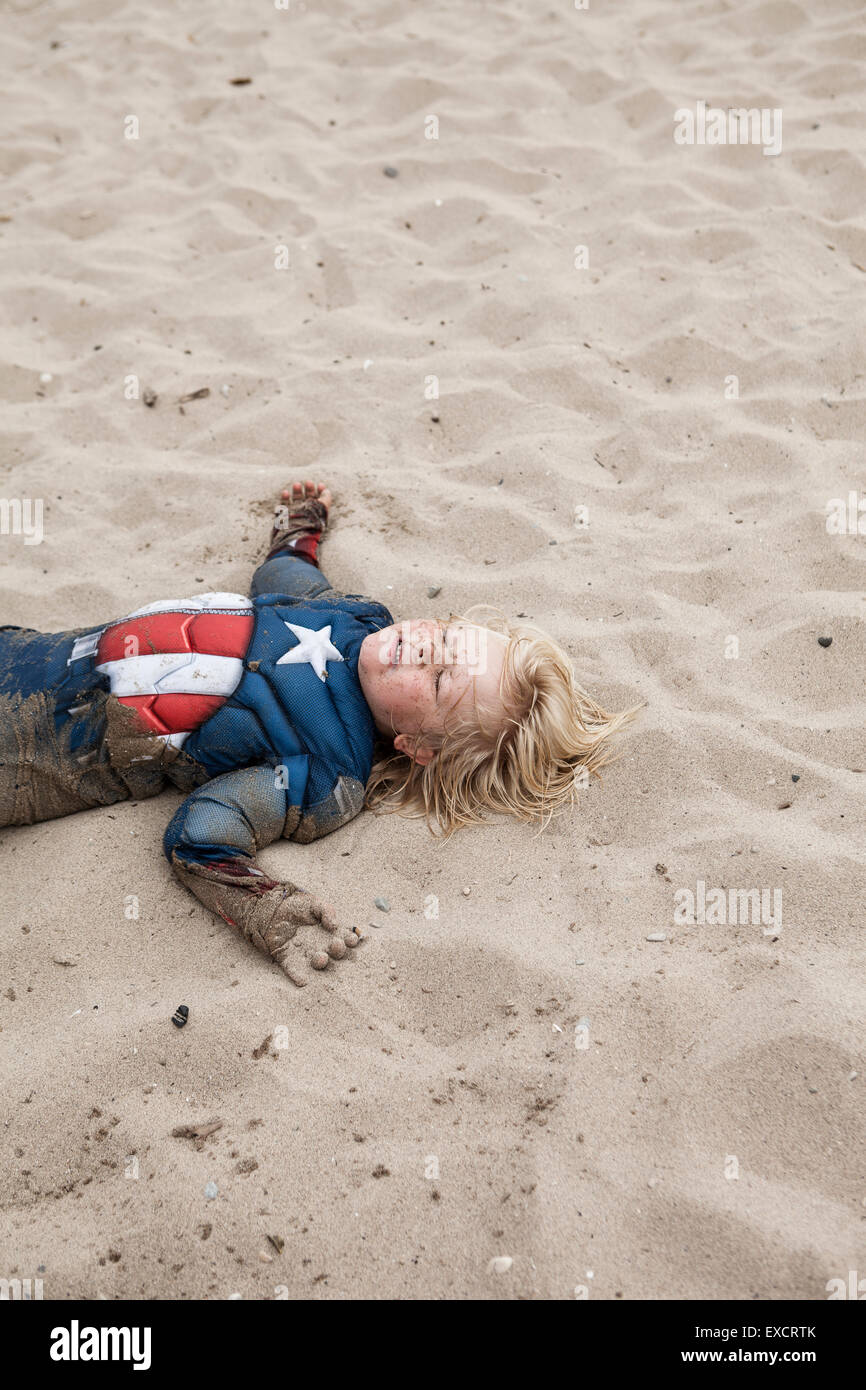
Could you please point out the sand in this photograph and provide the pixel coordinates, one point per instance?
(524, 1075)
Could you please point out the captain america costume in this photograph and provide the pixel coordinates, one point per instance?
(253, 705)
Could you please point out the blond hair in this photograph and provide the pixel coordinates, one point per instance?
(523, 765)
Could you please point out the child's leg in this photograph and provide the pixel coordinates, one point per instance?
(52, 758)
(31, 660)
(292, 565)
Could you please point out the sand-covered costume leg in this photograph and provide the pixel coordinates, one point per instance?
(54, 758)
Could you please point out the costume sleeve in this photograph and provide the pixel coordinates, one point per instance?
(237, 814)
(213, 838)
(292, 563)
(291, 575)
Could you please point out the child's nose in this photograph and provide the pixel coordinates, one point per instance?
(422, 645)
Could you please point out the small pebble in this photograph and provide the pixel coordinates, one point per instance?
(466, 892)
(824, 641)
(45, 378)
(434, 590)
(319, 961)
(795, 776)
(813, 1090)
(852, 1075)
(382, 904)
(180, 1016)
(657, 936)
(211, 1190)
(390, 172)
(500, 1264)
(149, 397)
(224, 390)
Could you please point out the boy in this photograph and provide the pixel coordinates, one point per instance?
(270, 712)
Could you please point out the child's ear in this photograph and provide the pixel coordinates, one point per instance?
(414, 749)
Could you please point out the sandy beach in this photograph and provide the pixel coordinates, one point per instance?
(553, 361)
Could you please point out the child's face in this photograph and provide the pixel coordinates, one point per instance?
(417, 672)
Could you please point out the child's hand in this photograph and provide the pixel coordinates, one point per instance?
(289, 937)
(301, 519)
(269, 914)
(298, 492)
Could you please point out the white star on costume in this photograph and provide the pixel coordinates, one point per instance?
(315, 647)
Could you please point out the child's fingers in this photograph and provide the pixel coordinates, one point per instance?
(294, 974)
(288, 960)
(324, 915)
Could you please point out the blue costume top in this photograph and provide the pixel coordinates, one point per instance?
(285, 746)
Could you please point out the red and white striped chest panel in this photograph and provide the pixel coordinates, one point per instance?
(176, 662)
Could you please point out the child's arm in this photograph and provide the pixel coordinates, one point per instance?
(212, 842)
(292, 562)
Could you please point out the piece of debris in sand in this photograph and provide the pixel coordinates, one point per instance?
(149, 397)
(198, 395)
(199, 1133)
(278, 1243)
(180, 1016)
(263, 1047)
